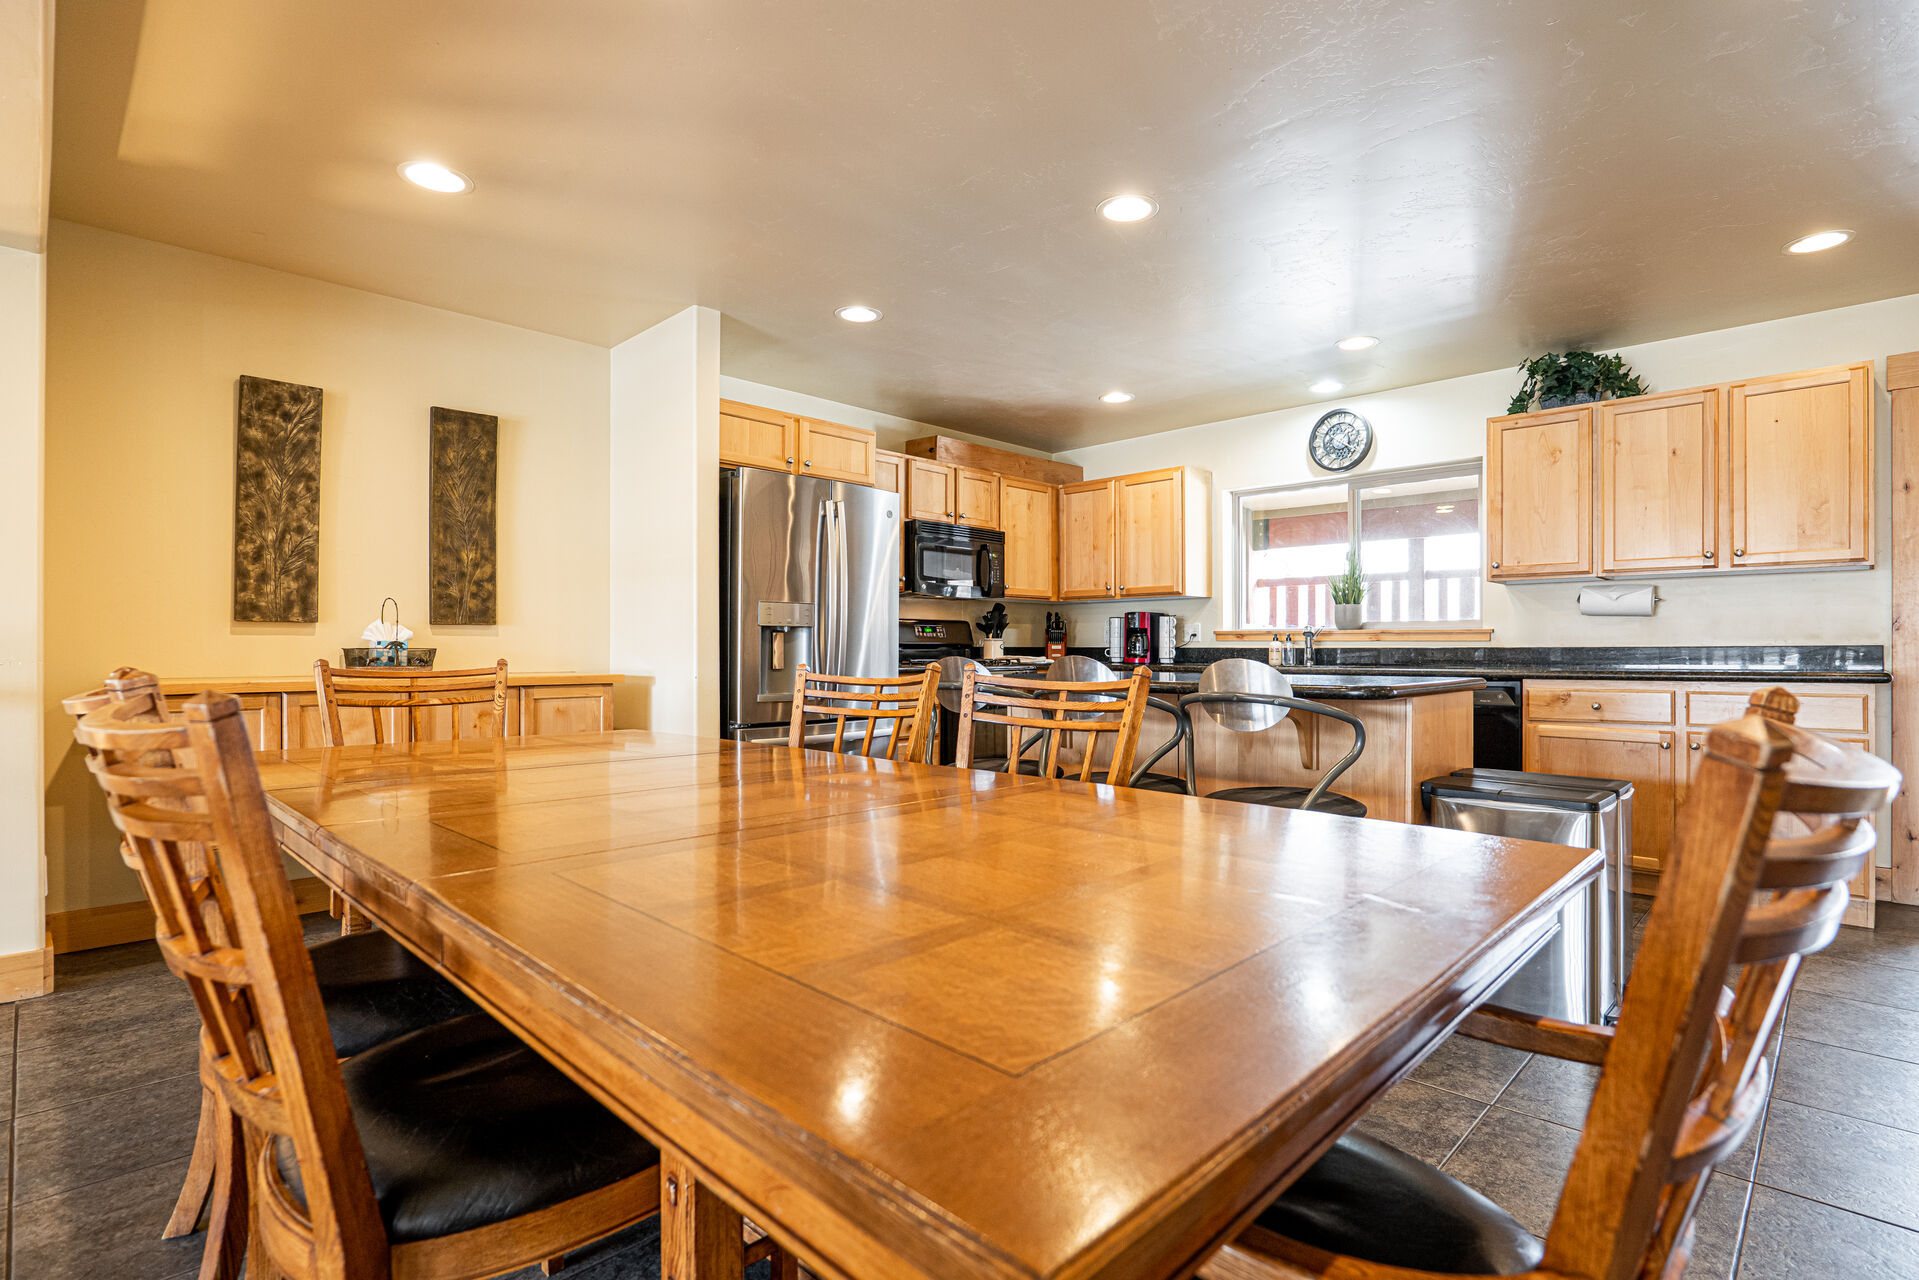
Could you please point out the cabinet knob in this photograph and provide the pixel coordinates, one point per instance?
(789, 462)
(1595, 706)
(1739, 551)
(1495, 563)
(807, 463)
(1695, 746)
(1665, 746)
(1705, 555)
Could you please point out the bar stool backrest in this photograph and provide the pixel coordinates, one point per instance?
(1243, 675)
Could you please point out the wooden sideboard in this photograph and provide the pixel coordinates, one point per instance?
(284, 714)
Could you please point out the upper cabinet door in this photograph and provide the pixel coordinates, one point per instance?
(1151, 538)
(834, 452)
(929, 491)
(976, 495)
(1539, 495)
(1086, 539)
(1029, 513)
(754, 437)
(1801, 468)
(1658, 482)
(889, 471)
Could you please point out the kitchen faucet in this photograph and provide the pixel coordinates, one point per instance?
(1307, 634)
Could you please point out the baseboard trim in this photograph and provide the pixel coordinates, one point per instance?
(123, 922)
(26, 974)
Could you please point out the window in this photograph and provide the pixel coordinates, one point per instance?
(1418, 538)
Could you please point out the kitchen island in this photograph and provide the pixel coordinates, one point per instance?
(1416, 727)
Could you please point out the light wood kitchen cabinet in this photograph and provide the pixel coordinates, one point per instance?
(929, 491)
(1800, 468)
(1539, 495)
(976, 498)
(566, 708)
(1764, 473)
(1659, 482)
(1653, 734)
(1140, 535)
(889, 471)
(1086, 540)
(834, 452)
(754, 437)
(1635, 754)
(1029, 514)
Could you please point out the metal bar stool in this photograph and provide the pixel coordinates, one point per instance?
(1245, 696)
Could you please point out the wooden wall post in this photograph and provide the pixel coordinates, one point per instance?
(1902, 380)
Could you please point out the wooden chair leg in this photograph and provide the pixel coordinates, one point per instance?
(553, 1266)
(229, 1216)
(785, 1265)
(335, 904)
(199, 1180)
(352, 921)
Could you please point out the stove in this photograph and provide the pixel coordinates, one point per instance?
(924, 640)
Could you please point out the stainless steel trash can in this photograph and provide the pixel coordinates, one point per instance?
(1578, 973)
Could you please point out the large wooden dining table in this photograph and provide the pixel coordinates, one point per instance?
(924, 1021)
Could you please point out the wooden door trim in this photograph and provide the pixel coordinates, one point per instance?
(1902, 656)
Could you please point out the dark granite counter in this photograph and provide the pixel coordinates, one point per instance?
(1321, 686)
(1788, 664)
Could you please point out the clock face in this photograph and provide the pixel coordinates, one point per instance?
(1340, 440)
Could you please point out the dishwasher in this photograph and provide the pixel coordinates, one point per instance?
(1579, 972)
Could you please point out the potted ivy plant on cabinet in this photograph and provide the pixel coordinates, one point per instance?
(1577, 377)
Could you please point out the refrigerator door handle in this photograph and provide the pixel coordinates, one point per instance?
(842, 588)
(822, 593)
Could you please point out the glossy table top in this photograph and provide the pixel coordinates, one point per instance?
(927, 1020)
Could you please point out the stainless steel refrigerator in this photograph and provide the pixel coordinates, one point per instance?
(810, 574)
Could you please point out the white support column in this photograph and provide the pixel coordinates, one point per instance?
(663, 594)
(26, 61)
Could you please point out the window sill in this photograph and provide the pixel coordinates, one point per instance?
(1371, 635)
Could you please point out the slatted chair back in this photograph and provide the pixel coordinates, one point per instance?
(1056, 708)
(416, 693)
(186, 797)
(905, 705)
(1777, 823)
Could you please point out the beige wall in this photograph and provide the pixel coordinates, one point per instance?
(664, 566)
(145, 343)
(1445, 421)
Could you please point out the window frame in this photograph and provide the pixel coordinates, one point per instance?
(1354, 481)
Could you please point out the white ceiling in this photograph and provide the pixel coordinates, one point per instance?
(1473, 182)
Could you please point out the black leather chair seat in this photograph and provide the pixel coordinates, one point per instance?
(1293, 798)
(375, 989)
(997, 764)
(1369, 1200)
(463, 1126)
(1149, 782)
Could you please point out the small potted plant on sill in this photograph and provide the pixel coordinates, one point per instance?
(1349, 595)
(1578, 377)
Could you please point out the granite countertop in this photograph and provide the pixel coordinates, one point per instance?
(1322, 686)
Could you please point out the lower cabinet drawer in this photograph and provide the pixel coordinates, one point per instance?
(1627, 706)
(1835, 712)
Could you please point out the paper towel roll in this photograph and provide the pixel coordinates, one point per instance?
(1621, 602)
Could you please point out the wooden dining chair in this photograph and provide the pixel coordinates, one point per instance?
(1777, 822)
(374, 990)
(1056, 708)
(453, 1151)
(904, 704)
(415, 692)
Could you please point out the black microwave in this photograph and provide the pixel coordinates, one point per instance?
(955, 561)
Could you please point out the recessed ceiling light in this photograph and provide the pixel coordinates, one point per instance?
(1819, 240)
(1358, 342)
(1127, 208)
(1117, 397)
(435, 176)
(1326, 387)
(858, 314)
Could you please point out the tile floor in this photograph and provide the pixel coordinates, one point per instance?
(97, 1082)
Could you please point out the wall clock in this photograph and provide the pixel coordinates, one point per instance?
(1340, 441)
